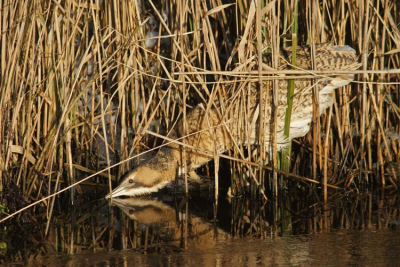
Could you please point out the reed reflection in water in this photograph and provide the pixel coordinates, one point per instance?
(184, 231)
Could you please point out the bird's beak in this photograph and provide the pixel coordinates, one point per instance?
(117, 192)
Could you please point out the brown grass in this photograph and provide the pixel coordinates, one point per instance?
(78, 75)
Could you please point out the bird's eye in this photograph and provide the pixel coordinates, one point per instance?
(130, 211)
(130, 181)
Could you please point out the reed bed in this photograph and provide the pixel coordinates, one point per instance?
(84, 84)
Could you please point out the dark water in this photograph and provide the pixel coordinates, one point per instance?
(334, 248)
(295, 229)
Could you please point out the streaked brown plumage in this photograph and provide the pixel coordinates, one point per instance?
(217, 132)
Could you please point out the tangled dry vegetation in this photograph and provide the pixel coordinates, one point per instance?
(76, 75)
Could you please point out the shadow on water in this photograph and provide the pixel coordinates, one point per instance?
(295, 229)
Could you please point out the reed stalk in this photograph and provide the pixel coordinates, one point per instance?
(290, 93)
(81, 89)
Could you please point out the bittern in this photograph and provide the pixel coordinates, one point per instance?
(215, 130)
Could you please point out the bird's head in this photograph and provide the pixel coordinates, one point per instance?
(150, 176)
(141, 181)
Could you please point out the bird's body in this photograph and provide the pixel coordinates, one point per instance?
(219, 129)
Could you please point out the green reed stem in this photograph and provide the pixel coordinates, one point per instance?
(290, 92)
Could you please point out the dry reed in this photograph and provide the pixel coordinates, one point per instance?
(81, 85)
